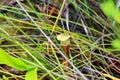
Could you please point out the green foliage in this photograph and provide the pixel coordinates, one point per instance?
(18, 64)
(33, 42)
(110, 10)
(31, 74)
(116, 43)
(13, 62)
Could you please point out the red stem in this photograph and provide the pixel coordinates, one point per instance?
(66, 50)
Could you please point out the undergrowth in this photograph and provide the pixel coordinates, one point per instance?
(30, 48)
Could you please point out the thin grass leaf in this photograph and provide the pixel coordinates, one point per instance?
(110, 76)
(13, 62)
(31, 74)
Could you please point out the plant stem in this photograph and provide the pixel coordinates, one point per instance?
(66, 50)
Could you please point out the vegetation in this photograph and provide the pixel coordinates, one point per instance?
(59, 40)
